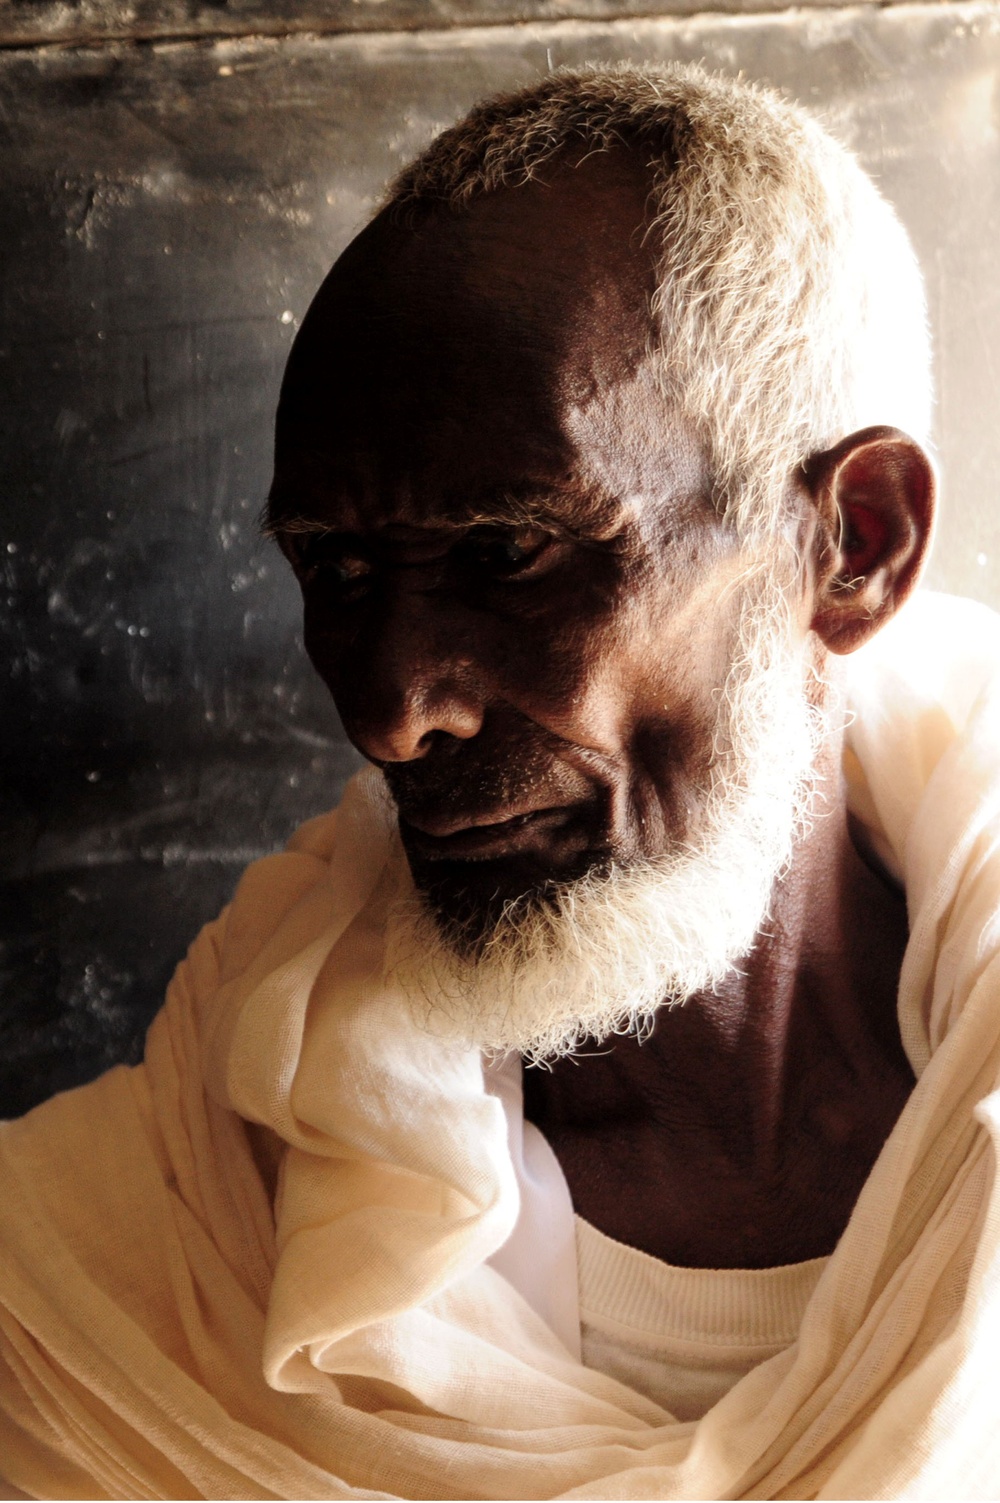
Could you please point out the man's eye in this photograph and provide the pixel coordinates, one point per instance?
(504, 553)
(327, 558)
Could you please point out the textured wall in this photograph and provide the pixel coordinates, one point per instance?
(28, 22)
(167, 211)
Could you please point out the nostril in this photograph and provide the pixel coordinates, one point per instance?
(438, 741)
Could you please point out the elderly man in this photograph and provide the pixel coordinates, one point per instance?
(585, 467)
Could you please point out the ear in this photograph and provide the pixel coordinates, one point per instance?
(873, 495)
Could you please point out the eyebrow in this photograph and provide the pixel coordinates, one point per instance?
(544, 509)
(290, 526)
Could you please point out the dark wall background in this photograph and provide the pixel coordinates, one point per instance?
(168, 208)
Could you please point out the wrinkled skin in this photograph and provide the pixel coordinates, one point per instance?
(524, 605)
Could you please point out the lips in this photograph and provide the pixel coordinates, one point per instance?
(482, 837)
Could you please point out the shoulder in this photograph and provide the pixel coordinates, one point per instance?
(939, 651)
(317, 837)
(329, 865)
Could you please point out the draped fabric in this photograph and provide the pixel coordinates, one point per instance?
(256, 1266)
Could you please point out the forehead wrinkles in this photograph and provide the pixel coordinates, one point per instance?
(577, 233)
(526, 264)
(452, 363)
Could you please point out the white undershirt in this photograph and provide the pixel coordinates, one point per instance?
(683, 1336)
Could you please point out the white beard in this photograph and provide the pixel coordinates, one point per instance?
(600, 954)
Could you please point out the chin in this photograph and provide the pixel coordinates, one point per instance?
(474, 902)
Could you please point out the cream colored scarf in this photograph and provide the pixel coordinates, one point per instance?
(167, 1332)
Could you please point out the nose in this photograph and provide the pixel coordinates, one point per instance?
(406, 687)
(405, 725)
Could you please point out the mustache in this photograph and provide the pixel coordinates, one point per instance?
(488, 771)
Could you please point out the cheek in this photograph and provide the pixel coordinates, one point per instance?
(613, 657)
(667, 671)
(339, 646)
(570, 666)
(322, 644)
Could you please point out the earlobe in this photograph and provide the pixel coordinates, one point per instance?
(873, 495)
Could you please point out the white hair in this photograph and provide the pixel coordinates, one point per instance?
(790, 309)
(600, 954)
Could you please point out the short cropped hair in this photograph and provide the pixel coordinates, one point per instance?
(790, 308)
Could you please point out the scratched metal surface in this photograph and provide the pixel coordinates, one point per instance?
(166, 213)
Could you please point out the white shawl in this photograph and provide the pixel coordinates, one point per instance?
(167, 1332)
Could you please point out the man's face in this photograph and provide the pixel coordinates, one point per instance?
(515, 585)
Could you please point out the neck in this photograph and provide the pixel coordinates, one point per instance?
(740, 1133)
